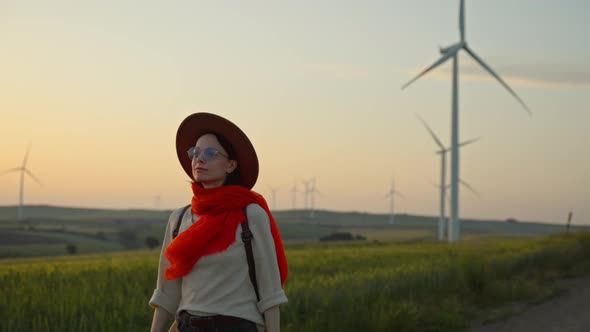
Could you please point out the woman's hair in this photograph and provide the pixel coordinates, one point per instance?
(233, 178)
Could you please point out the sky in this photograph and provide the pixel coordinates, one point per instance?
(98, 88)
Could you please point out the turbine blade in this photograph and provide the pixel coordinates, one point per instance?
(486, 67)
(438, 142)
(33, 176)
(462, 20)
(10, 170)
(452, 51)
(468, 186)
(400, 194)
(26, 156)
(469, 142)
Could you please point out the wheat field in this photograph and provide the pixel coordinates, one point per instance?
(369, 286)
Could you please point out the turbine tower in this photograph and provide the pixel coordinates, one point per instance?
(294, 195)
(391, 194)
(443, 185)
(447, 53)
(312, 190)
(444, 217)
(273, 192)
(22, 169)
(306, 190)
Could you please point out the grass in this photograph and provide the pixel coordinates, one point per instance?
(370, 286)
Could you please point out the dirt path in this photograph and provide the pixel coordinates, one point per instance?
(569, 312)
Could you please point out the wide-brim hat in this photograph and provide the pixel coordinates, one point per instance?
(198, 124)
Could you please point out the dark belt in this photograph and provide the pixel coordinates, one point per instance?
(217, 321)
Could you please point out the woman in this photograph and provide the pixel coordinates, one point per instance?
(204, 278)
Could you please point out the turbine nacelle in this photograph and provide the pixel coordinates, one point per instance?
(445, 50)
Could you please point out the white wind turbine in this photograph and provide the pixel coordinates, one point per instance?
(443, 228)
(443, 185)
(22, 169)
(309, 195)
(391, 194)
(447, 53)
(294, 195)
(312, 190)
(273, 192)
(306, 191)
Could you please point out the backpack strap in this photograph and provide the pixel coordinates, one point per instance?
(179, 221)
(247, 239)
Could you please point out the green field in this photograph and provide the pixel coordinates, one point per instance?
(362, 286)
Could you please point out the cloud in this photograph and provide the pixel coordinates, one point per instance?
(526, 74)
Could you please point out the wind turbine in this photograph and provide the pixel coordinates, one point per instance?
(443, 162)
(447, 53)
(306, 186)
(273, 192)
(444, 217)
(312, 190)
(309, 192)
(294, 195)
(392, 192)
(22, 169)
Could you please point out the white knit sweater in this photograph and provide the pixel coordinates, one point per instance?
(220, 283)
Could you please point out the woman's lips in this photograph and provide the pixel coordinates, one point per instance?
(200, 169)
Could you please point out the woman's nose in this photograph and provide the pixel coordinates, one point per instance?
(198, 159)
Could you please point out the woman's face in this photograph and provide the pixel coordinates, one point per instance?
(211, 172)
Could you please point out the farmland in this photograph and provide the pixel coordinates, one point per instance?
(48, 230)
(366, 285)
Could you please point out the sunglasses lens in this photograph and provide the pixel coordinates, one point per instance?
(193, 152)
(209, 153)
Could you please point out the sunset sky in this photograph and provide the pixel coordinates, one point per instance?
(99, 88)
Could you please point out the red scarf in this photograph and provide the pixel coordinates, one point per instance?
(220, 212)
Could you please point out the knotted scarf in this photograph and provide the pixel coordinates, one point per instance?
(220, 212)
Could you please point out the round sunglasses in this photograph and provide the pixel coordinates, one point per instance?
(208, 153)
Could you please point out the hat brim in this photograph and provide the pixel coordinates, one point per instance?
(198, 124)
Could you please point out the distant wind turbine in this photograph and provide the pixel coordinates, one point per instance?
(306, 191)
(391, 194)
(294, 195)
(443, 162)
(22, 169)
(309, 192)
(313, 190)
(273, 192)
(447, 53)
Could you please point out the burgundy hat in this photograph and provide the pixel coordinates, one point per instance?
(198, 124)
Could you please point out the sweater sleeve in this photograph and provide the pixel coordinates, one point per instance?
(167, 292)
(265, 259)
